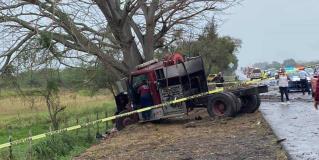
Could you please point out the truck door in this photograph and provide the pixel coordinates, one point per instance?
(152, 81)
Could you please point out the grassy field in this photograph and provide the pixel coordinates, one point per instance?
(20, 115)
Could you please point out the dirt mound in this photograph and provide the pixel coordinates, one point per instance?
(244, 137)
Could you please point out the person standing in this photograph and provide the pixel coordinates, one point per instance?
(219, 79)
(145, 99)
(304, 82)
(283, 85)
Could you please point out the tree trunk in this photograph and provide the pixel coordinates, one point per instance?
(55, 122)
(123, 34)
(149, 39)
(148, 47)
(132, 56)
(50, 104)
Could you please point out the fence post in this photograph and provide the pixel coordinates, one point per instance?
(106, 122)
(89, 132)
(30, 144)
(77, 123)
(97, 124)
(10, 147)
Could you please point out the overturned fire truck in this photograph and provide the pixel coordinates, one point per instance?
(176, 77)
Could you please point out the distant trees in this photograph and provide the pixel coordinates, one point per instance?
(289, 62)
(275, 64)
(262, 65)
(286, 63)
(309, 63)
(217, 51)
(266, 65)
(85, 77)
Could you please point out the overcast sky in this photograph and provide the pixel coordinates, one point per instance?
(274, 30)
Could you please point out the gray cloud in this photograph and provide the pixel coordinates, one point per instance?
(274, 30)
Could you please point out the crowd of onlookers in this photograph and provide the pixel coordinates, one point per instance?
(283, 82)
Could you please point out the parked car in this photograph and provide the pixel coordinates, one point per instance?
(211, 77)
(311, 71)
(294, 84)
(256, 74)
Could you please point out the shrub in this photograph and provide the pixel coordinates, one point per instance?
(55, 146)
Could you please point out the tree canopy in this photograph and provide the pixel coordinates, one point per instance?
(217, 51)
(119, 34)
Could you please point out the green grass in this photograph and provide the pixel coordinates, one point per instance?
(62, 146)
(38, 122)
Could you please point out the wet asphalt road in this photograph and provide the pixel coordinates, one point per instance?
(297, 123)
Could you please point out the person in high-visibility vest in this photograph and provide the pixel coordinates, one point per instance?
(264, 75)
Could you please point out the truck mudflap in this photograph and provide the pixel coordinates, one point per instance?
(262, 89)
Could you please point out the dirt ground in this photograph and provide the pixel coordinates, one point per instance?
(246, 136)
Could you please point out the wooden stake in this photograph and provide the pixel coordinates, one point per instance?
(30, 145)
(97, 124)
(77, 123)
(10, 147)
(106, 123)
(89, 132)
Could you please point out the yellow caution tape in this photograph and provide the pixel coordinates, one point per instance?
(43, 135)
(244, 82)
(232, 82)
(40, 136)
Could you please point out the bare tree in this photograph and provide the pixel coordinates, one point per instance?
(52, 99)
(89, 29)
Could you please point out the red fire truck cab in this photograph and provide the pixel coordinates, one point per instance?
(175, 77)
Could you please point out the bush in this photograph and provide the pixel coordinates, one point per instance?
(55, 146)
(63, 145)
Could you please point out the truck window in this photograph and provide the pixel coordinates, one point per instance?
(256, 71)
(137, 80)
(160, 74)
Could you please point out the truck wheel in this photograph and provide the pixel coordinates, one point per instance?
(258, 101)
(236, 100)
(249, 103)
(221, 105)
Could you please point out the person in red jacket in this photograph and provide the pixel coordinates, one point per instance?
(317, 94)
(145, 99)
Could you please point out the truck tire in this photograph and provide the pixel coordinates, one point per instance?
(250, 103)
(236, 100)
(258, 101)
(221, 105)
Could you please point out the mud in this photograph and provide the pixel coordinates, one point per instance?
(244, 137)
